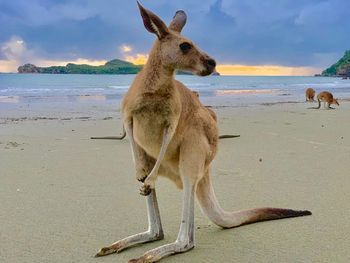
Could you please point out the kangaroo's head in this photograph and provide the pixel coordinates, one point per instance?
(335, 101)
(174, 50)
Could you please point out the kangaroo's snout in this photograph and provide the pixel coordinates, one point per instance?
(211, 63)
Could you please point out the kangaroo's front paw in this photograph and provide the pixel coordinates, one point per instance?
(141, 175)
(145, 189)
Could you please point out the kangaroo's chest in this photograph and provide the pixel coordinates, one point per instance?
(151, 115)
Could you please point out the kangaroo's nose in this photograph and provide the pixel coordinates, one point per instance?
(211, 62)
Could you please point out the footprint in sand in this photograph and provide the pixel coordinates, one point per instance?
(10, 145)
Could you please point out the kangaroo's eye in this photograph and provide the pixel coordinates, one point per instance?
(185, 47)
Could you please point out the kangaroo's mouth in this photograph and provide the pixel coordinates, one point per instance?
(205, 72)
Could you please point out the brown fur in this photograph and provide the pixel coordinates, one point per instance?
(310, 94)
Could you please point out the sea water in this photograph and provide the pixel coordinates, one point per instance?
(214, 90)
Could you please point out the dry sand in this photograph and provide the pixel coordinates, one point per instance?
(63, 196)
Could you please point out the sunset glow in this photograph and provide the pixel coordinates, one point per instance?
(138, 59)
(265, 70)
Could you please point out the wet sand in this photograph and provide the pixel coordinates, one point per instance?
(63, 196)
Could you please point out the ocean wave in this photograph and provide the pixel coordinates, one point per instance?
(118, 87)
(245, 91)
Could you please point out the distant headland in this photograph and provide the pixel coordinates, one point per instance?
(115, 66)
(339, 69)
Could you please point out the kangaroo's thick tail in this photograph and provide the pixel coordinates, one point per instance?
(211, 208)
(112, 137)
(319, 104)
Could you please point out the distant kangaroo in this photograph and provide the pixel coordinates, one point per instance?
(327, 98)
(310, 94)
(169, 128)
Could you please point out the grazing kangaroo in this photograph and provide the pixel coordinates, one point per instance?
(327, 98)
(169, 128)
(310, 94)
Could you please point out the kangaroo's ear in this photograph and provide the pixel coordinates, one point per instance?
(153, 23)
(179, 21)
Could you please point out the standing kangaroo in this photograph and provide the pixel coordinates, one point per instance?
(326, 97)
(310, 94)
(172, 134)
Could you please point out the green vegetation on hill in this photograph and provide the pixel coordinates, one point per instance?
(341, 68)
(115, 66)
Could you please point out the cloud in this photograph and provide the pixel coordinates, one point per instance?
(252, 32)
(16, 53)
(15, 49)
(137, 59)
(126, 52)
(125, 48)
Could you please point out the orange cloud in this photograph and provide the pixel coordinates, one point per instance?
(137, 59)
(265, 70)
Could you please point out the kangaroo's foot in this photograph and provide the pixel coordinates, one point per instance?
(115, 248)
(157, 254)
(120, 245)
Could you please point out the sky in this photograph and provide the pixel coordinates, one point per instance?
(250, 37)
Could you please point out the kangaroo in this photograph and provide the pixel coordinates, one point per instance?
(310, 94)
(327, 98)
(169, 127)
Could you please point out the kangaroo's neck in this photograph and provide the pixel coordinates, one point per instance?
(157, 77)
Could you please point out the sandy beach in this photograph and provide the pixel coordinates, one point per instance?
(64, 196)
